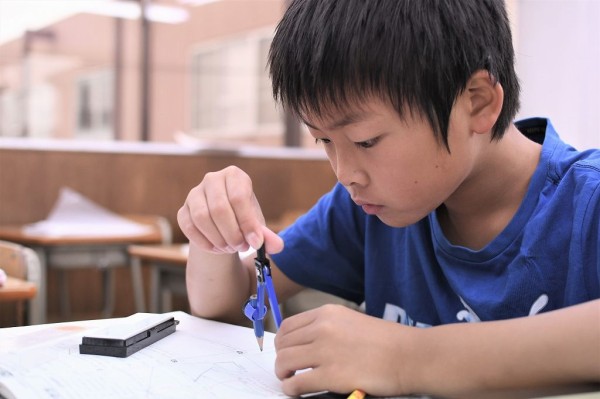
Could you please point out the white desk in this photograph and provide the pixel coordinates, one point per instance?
(201, 359)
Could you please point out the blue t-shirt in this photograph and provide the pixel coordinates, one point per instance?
(548, 257)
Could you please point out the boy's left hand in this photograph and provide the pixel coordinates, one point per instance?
(339, 350)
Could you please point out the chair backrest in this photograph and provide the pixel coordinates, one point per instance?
(19, 261)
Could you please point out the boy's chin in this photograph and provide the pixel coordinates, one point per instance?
(397, 220)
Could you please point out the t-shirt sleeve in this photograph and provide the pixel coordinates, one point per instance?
(590, 237)
(324, 249)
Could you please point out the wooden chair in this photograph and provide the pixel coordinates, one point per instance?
(106, 259)
(22, 267)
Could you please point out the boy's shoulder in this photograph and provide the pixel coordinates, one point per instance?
(559, 158)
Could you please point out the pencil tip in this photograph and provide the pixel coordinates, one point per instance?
(260, 342)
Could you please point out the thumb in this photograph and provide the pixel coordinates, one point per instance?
(273, 242)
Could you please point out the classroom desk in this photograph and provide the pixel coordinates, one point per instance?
(47, 247)
(167, 268)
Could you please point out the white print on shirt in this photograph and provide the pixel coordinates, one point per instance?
(467, 315)
(397, 314)
(538, 305)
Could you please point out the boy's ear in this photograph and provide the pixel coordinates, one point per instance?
(485, 98)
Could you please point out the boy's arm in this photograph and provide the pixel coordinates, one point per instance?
(558, 347)
(345, 350)
(217, 285)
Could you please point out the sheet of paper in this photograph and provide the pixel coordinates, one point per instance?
(201, 359)
(75, 215)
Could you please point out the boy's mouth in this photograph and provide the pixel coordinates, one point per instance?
(370, 209)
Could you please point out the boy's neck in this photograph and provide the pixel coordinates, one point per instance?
(488, 200)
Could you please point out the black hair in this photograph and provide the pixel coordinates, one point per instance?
(419, 54)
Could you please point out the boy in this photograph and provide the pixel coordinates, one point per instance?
(446, 214)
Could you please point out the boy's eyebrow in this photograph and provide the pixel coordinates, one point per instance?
(346, 120)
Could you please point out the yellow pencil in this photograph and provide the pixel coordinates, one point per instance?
(357, 394)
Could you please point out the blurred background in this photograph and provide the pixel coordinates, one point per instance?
(148, 70)
(181, 70)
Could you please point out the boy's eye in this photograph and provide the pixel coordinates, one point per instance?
(323, 141)
(368, 143)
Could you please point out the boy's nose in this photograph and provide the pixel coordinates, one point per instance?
(346, 170)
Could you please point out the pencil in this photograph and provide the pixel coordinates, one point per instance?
(357, 394)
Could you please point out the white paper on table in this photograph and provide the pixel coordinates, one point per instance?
(201, 359)
(75, 215)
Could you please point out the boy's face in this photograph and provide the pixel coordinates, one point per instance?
(394, 168)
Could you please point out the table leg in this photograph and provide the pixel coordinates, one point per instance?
(108, 284)
(155, 293)
(19, 306)
(138, 284)
(166, 300)
(38, 306)
(63, 288)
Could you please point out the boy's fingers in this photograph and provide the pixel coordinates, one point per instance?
(202, 220)
(224, 227)
(246, 210)
(293, 359)
(273, 243)
(188, 228)
(298, 321)
(222, 215)
(304, 382)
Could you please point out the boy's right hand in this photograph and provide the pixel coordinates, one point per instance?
(222, 215)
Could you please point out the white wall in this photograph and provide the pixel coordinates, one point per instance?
(558, 62)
